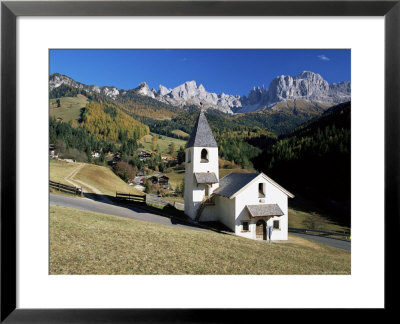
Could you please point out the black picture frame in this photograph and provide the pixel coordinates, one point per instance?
(10, 10)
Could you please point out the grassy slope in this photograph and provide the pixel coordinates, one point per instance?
(163, 143)
(70, 107)
(180, 133)
(103, 179)
(96, 176)
(83, 242)
(301, 209)
(60, 169)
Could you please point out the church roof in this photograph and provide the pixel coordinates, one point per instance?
(264, 210)
(233, 183)
(201, 135)
(205, 177)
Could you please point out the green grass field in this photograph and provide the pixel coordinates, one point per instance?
(83, 242)
(70, 107)
(298, 219)
(163, 143)
(180, 133)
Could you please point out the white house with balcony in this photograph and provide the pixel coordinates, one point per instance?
(247, 203)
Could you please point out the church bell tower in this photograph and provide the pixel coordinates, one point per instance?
(201, 166)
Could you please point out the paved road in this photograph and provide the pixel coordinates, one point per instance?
(114, 209)
(340, 244)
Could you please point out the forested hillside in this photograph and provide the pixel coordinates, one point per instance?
(284, 116)
(315, 158)
(107, 122)
(103, 127)
(141, 106)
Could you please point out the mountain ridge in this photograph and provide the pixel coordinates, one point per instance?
(307, 86)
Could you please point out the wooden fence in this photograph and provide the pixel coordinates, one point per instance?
(64, 188)
(130, 197)
(320, 232)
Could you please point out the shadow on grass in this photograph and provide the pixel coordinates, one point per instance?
(177, 217)
(333, 213)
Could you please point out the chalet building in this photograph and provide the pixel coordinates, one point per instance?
(250, 204)
(143, 155)
(163, 181)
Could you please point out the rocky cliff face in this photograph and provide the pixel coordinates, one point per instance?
(144, 90)
(189, 93)
(305, 86)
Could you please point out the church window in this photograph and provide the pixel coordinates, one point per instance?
(204, 156)
(261, 190)
(188, 157)
(276, 224)
(245, 226)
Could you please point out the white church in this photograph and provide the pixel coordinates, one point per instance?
(250, 204)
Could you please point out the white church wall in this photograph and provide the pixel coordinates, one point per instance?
(225, 208)
(210, 214)
(275, 196)
(222, 211)
(194, 194)
(188, 194)
(210, 166)
(250, 196)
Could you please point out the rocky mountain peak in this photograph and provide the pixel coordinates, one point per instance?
(56, 80)
(143, 85)
(144, 90)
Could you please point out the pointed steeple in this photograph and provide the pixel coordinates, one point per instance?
(201, 135)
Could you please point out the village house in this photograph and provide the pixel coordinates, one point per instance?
(164, 182)
(250, 204)
(143, 155)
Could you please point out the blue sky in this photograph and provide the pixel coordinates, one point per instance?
(229, 71)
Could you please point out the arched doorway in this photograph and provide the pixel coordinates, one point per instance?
(261, 230)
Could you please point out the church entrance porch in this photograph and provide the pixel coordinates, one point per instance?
(261, 230)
